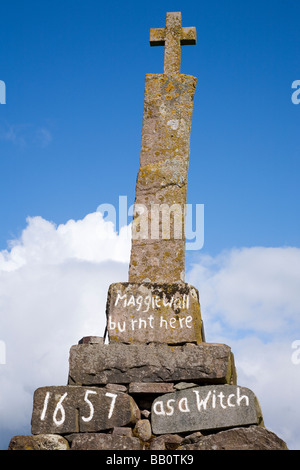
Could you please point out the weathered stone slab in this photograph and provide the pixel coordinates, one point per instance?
(244, 438)
(97, 364)
(40, 442)
(71, 409)
(145, 313)
(208, 407)
(148, 388)
(101, 441)
(116, 388)
(184, 385)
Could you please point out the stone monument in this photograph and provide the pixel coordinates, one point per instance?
(155, 384)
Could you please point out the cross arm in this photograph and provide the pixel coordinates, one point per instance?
(172, 37)
(188, 36)
(157, 36)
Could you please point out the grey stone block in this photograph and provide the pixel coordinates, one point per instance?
(40, 442)
(248, 438)
(71, 409)
(101, 441)
(208, 407)
(99, 364)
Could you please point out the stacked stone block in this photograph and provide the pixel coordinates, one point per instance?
(147, 395)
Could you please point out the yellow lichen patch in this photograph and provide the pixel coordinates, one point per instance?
(170, 87)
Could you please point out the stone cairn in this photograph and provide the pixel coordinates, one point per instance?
(152, 382)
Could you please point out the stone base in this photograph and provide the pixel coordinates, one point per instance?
(152, 397)
(245, 438)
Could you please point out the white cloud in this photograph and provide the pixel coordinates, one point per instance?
(23, 135)
(42, 137)
(251, 288)
(250, 300)
(53, 288)
(91, 239)
(267, 369)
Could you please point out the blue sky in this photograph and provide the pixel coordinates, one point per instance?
(70, 135)
(70, 131)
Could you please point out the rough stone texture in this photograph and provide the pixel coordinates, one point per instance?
(116, 388)
(91, 340)
(70, 409)
(250, 438)
(166, 442)
(101, 441)
(40, 442)
(201, 408)
(96, 364)
(184, 385)
(192, 438)
(145, 313)
(142, 430)
(122, 431)
(146, 388)
(158, 243)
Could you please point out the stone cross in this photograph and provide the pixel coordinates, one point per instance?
(158, 235)
(156, 305)
(173, 36)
